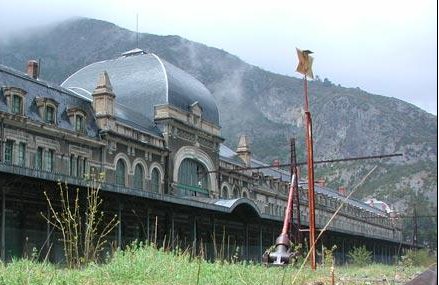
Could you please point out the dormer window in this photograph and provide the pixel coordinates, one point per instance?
(15, 99)
(77, 119)
(79, 123)
(49, 115)
(17, 104)
(47, 109)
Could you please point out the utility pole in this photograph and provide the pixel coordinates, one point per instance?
(304, 67)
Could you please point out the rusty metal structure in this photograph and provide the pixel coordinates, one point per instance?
(305, 63)
(297, 235)
(282, 254)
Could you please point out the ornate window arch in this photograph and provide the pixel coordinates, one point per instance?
(193, 179)
(139, 176)
(47, 108)
(121, 177)
(121, 172)
(77, 118)
(140, 171)
(196, 154)
(236, 192)
(155, 180)
(225, 190)
(15, 99)
(244, 193)
(156, 176)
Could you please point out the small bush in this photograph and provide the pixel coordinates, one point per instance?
(328, 259)
(418, 258)
(360, 256)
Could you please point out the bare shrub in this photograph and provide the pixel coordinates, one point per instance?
(83, 230)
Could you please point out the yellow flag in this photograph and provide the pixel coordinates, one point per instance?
(305, 63)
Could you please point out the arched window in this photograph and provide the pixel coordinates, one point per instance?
(244, 194)
(224, 193)
(155, 180)
(77, 118)
(193, 178)
(138, 176)
(120, 172)
(14, 99)
(235, 193)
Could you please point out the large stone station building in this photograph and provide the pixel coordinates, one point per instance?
(154, 130)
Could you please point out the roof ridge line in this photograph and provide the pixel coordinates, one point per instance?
(165, 73)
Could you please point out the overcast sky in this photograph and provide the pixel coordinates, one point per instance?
(386, 47)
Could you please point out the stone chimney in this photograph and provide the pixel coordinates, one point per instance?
(103, 101)
(243, 150)
(33, 69)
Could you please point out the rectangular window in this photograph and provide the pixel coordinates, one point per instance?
(9, 147)
(51, 160)
(84, 166)
(49, 115)
(22, 154)
(72, 165)
(79, 167)
(17, 103)
(39, 158)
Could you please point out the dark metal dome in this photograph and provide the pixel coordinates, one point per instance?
(142, 80)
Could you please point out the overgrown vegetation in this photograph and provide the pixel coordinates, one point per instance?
(360, 256)
(139, 264)
(82, 225)
(420, 257)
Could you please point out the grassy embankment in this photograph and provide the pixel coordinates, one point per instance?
(147, 265)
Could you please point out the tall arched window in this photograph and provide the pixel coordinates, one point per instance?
(120, 172)
(235, 193)
(138, 176)
(193, 178)
(224, 193)
(155, 180)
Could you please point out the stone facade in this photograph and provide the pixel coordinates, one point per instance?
(53, 134)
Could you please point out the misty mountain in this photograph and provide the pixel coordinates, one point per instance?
(266, 106)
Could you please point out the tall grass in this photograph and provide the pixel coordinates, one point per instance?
(139, 264)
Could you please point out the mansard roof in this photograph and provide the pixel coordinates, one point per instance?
(36, 88)
(142, 80)
(66, 99)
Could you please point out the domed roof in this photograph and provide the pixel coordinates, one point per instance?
(142, 80)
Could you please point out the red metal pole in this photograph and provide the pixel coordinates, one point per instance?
(297, 199)
(310, 160)
(306, 94)
(287, 218)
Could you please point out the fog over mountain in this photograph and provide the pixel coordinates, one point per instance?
(266, 106)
